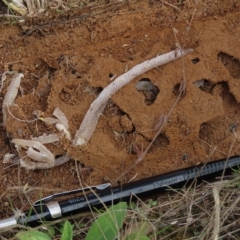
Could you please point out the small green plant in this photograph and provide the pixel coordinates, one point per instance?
(32, 235)
(107, 225)
(151, 203)
(67, 233)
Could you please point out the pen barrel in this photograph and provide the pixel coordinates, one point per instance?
(144, 187)
(35, 216)
(212, 168)
(111, 195)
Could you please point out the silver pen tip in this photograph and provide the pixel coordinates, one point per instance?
(7, 223)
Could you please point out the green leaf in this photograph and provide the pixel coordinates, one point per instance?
(32, 235)
(107, 225)
(67, 233)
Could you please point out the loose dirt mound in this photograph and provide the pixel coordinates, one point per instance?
(67, 59)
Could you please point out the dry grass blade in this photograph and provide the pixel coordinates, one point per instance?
(217, 213)
(27, 7)
(180, 214)
(16, 5)
(35, 6)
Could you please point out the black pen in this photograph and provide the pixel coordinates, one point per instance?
(46, 209)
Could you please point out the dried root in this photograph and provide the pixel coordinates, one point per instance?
(61, 128)
(45, 139)
(90, 120)
(36, 155)
(61, 116)
(33, 154)
(8, 157)
(61, 122)
(30, 165)
(36, 151)
(11, 94)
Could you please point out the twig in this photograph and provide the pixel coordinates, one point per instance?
(217, 213)
(90, 120)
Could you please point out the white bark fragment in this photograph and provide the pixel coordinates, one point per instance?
(61, 122)
(61, 128)
(30, 165)
(90, 120)
(45, 139)
(11, 94)
(37, 156)
(41, 153)
(8, 157)
(61, 116)
(50, 120)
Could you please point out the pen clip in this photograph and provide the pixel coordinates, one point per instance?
(56, 195)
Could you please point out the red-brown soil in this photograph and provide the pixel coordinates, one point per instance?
(68, 58)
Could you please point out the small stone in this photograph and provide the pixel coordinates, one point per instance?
(106, 179)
